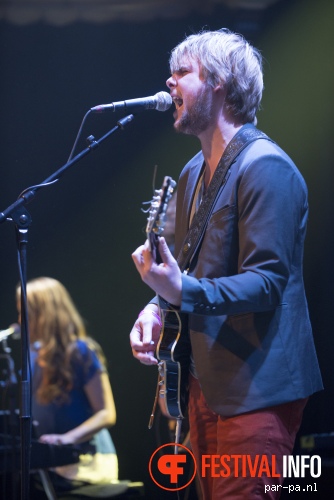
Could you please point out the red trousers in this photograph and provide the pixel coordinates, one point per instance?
(253, 445)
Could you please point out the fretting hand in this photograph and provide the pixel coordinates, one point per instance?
(164, 278)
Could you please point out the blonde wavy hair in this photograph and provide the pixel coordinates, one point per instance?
(55, 323)
(226, 59)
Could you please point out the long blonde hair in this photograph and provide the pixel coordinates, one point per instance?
(55, 323)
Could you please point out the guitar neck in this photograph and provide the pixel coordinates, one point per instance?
(154, 247)
(157, 215)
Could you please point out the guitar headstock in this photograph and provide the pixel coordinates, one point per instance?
(157, 212)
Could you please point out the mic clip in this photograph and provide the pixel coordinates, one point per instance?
(92, 144)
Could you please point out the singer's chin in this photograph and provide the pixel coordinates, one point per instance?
(177, 122)
(177, 128)
(181, 126)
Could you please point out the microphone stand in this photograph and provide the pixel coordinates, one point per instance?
(9, 428)
(18, 214)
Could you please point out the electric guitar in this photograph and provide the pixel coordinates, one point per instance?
(173, 349)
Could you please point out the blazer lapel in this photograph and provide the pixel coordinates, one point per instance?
(188, 195)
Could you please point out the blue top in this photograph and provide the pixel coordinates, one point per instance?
(56, 418)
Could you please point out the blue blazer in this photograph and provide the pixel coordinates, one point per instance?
(244, 294)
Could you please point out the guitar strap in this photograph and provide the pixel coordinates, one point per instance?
(247, 134)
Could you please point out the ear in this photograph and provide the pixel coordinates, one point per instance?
(219, 87)
(220, 91)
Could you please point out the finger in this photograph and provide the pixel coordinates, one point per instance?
(147, 258)
(136, 333)
(139, 346)
(146, 358)
(165, 253)
(139, 338)
(137, 255)
(147, 330)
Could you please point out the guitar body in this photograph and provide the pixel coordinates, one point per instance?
(173, 353)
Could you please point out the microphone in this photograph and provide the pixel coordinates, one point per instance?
(160, 101)
(14, 330)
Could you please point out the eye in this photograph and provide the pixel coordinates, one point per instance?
(183, 71)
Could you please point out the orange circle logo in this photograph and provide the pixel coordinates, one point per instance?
(173, 470)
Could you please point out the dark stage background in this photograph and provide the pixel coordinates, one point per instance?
(86, 226)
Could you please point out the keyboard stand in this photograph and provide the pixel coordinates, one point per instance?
(47, 484)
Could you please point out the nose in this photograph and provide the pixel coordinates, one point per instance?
(170, 82)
